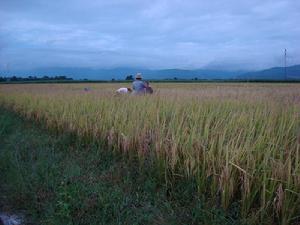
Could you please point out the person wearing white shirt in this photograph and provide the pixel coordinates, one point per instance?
(124, 90)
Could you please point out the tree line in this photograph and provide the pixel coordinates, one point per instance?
(33, 78)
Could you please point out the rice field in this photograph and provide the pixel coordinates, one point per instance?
(239, 142)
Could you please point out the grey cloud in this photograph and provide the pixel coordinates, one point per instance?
(154, 34)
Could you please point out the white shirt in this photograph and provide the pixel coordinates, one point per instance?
(122, 90)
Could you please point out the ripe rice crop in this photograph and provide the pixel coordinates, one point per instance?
(240, 142)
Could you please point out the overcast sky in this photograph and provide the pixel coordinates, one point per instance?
(216, 34)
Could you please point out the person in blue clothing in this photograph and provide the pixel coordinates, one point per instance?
(148, 89)
(138, 86)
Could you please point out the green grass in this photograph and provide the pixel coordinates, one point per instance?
(57, 179)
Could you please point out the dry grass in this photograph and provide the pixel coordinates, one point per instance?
(239, 141)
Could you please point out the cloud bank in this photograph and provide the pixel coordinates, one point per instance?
(152, 34)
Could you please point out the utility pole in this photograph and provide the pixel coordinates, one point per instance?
(285, 74)
(7, 69)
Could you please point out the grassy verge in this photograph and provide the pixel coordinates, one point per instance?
(59, 180)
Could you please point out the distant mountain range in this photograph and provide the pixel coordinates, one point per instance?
(276, 73)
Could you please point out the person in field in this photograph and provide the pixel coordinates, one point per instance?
(138, 86)
(124, 90)
(148, 89)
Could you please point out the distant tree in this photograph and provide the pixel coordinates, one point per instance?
(2, 79)
(195, 78)
(13, 78)
(175, 78)
(129, 77)
(62, 77)
(113, 79)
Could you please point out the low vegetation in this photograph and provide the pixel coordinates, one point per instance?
(239, 143)
(54, 179)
